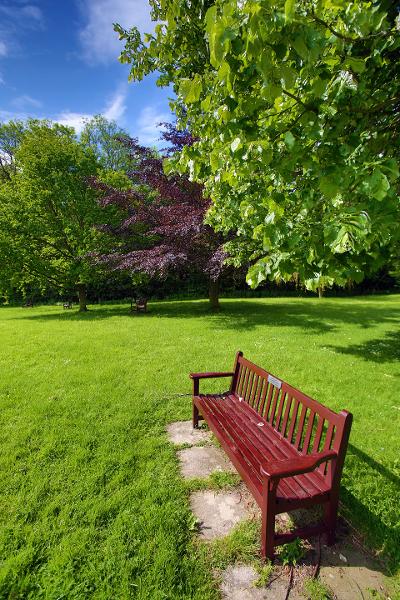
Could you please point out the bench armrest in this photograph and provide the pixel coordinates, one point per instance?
(279, 469)
(211, 375)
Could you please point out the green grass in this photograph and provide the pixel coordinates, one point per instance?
(92, 503)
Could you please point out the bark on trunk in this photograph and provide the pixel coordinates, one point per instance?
(213, 294)
(81, 287)
(320, 292)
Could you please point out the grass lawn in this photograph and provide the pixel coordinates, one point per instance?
(92, 503)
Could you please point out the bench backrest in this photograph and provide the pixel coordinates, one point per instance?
(303, 422)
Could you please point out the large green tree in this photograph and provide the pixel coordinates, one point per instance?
(48, 211)
(11, 134)
(296, 108)
(105, 138)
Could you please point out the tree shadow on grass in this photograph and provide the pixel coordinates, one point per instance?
(383, 491)
(364, 510)
(379, 350)
(310, 315)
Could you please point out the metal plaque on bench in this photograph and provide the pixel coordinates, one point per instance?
(276, 382)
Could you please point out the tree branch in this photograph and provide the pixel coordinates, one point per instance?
(347, 38)
(298, 100)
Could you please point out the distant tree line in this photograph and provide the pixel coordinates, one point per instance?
(96, 217)
(97, 213)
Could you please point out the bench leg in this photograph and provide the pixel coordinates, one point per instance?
(195, 417)
(268, 523)
(331, 510)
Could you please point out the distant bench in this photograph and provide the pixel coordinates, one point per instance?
(288, 448)
(140, 304)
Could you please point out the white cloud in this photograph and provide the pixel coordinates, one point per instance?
(25, 101)
(113, 111)
(73, 119)
(9, 115)
(32, 13)
(100, 43)
(116, 108)
(3, 49)
(148, 125)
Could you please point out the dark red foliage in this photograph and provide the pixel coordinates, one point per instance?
(170, 218)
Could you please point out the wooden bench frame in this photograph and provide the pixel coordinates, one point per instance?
(260, 409)
(140, 304)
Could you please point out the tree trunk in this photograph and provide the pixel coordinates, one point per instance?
(213, 294)
(81, 287)
(320, 292)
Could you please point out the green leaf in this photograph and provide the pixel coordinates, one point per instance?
(377, 185)
(355, 64)
(290, 6)
(289, 139)
(236, 144)
(300, 46)
(191, 89)
(392, 168)
(257, 274)
(329, 186)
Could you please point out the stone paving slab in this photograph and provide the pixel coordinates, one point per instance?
(238, 584)
(182, 432)
(345, 567)
(349, 572)
(201, 461)
(217, 512)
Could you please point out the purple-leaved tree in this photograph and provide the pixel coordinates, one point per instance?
(163, 227)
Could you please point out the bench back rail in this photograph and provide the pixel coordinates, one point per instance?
(301, 421)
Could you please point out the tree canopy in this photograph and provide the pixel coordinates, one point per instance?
(104, 137)
(163, 230)
(295, 109)
(47, 211)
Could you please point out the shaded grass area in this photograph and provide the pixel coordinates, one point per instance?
(92, 501)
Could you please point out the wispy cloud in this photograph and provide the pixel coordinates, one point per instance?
(73, 119)
(26, 102)
(16, 18)
(99, 41)
(33, 14)
(148, 125)
(26, 106)
(29, 16)
(113, 111)
(9, 115)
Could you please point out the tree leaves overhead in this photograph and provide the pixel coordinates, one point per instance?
(295, 107)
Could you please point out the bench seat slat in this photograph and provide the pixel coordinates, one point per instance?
(223, 434)
(280, 449)
(252, 444)
(265, 441)
(240, 430)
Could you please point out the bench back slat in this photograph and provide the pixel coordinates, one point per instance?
(301, 421)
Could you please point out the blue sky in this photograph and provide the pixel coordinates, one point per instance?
(59, 60)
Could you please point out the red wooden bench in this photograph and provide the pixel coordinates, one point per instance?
(288, 448)
(140, 304)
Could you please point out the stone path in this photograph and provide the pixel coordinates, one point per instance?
(217, 512)
(345, 568)
(201, 461)
(182, 432)
(238, 583)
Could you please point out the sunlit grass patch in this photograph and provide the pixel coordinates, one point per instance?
(93, 503)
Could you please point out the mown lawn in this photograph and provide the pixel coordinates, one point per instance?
(92, 504)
